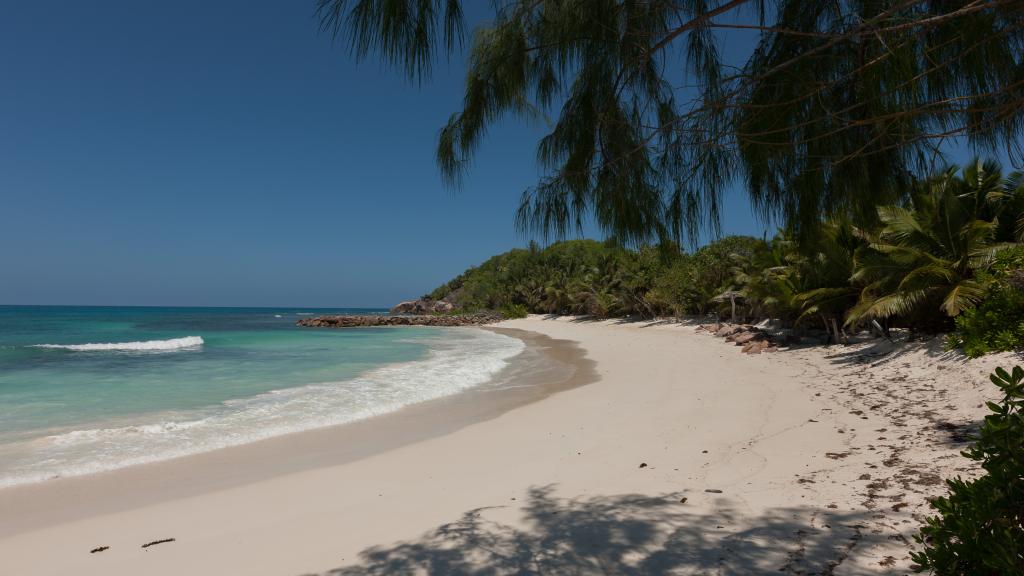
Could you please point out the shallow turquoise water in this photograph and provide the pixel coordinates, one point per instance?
(84, 389)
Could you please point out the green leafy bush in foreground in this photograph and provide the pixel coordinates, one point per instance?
(980, 527)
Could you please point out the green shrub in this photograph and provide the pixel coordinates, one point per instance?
(674, 290)
(1008, 263)
(980, 527)
(997, 324)
(511, 311)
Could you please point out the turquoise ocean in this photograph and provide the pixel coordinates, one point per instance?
(88, 389)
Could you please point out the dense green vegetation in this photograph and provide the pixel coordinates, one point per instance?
(946, 257)
(979, 530)
(997, 323)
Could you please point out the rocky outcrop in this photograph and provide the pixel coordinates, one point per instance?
(753, 340)
(399, 320)
(423, 307)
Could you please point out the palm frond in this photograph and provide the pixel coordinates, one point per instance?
(965, 294)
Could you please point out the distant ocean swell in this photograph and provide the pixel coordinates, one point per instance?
(143, 346)
(453, 365)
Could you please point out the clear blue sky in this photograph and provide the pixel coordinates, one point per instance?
(226, 153)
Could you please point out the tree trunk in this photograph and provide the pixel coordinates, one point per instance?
(840, 336)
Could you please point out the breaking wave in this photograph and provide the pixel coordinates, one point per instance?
(146, 345)
(463, 359)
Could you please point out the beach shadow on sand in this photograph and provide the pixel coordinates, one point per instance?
(625, 535)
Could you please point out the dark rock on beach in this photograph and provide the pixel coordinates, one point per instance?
(423, 306)
(753, 340)
(477, 319)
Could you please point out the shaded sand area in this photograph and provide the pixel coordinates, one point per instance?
(662, 451)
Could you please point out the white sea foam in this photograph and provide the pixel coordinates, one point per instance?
(464, 359)
(145, 345)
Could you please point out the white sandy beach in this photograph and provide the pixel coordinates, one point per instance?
(684, 456)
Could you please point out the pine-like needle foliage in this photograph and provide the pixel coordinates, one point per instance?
(835, 111)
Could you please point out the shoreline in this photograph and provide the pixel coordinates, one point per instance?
(545, 367)
(683, 456)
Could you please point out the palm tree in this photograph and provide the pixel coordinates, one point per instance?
(994, 198)
(827, 265)
(1010, 209)
(769, 280)
(556, 296)
(530, 292)
(922, 261)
